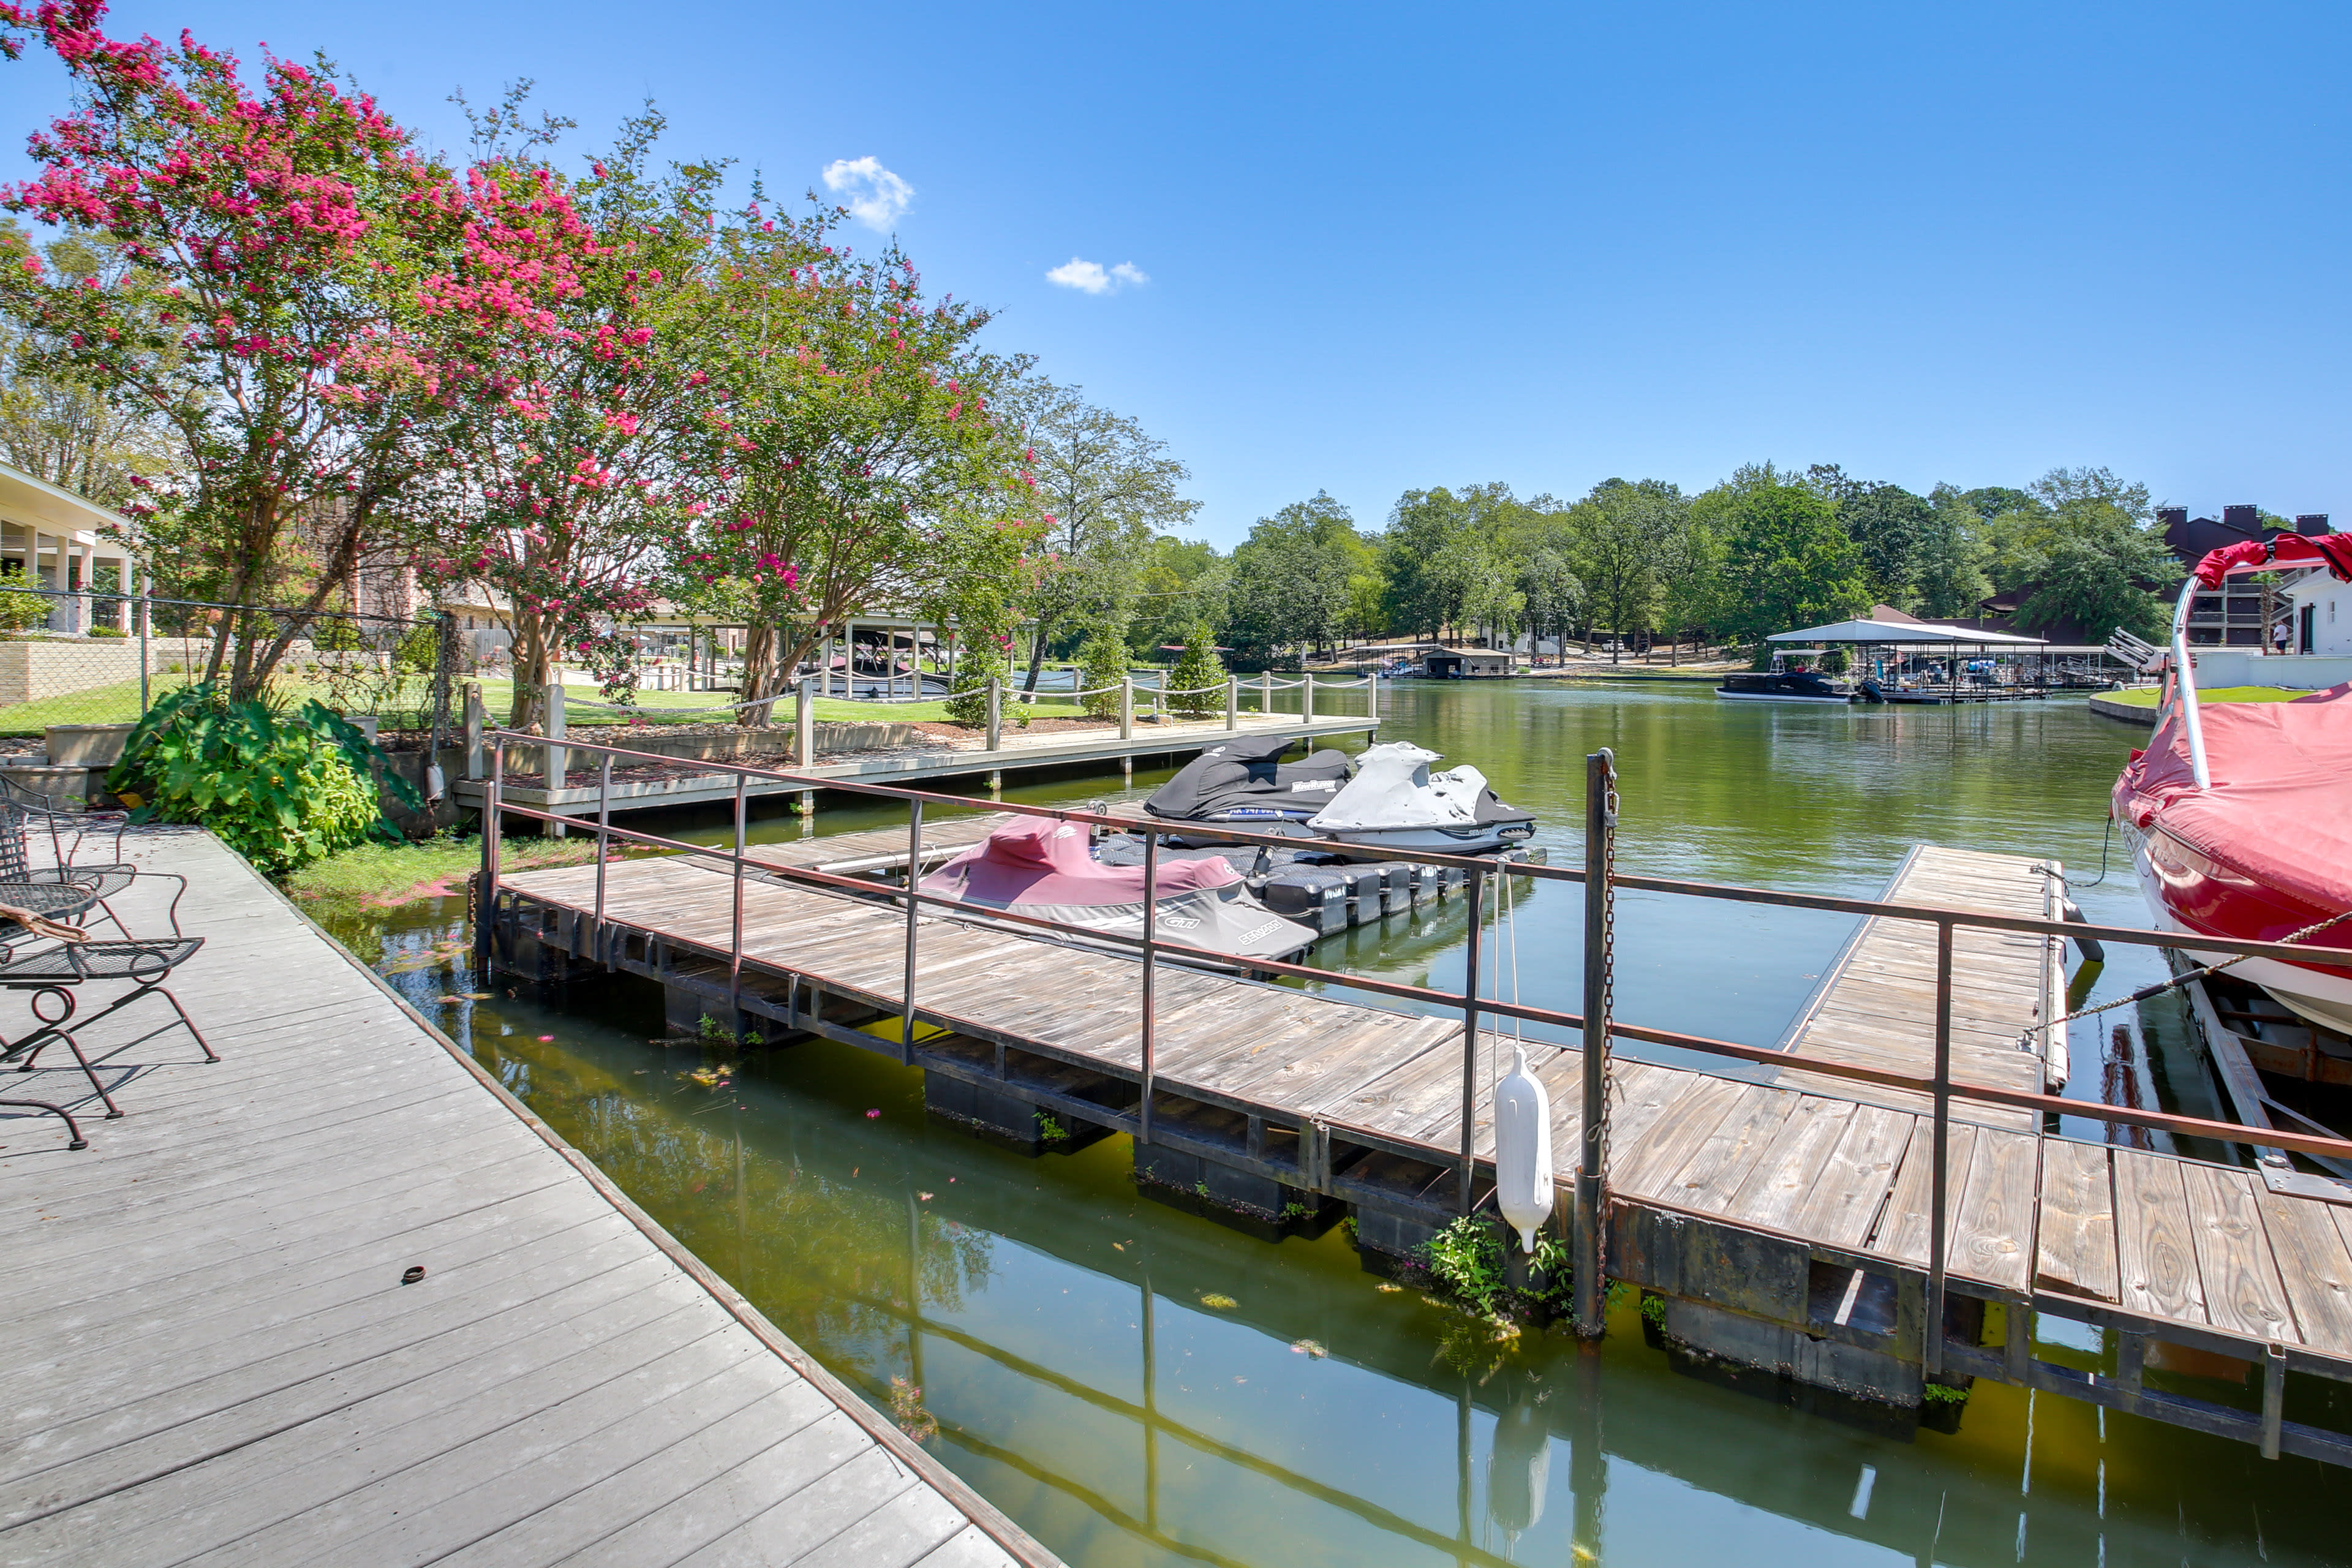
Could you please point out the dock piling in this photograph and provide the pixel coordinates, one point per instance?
(804, 723)
(473, 720)
(1151, 974)
(1307, 696)
(1478, 881)
(914, 911)
(995, 720)
(735, 942)
(1600, 940)
(1127, 707)
(1931, 1355)
(486, 891)
(1233, 702)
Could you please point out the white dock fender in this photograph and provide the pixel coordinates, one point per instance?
(1523, 1175)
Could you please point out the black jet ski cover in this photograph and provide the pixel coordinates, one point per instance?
(1241, 782)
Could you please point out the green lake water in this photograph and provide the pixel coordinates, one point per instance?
(1139, 1386)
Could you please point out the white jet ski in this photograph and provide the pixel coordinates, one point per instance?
(1394, 801)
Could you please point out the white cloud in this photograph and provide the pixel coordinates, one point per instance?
(1094, 277)
(874, 195)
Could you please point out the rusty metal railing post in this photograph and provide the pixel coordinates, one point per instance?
(1150, 973)
(604, 848)
(914, 875)
(486, 894)
(1931, 1356)
(1477, 888)
(735, 938)
(1599, 901)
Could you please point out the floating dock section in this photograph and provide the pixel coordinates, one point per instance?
(1783, 1230)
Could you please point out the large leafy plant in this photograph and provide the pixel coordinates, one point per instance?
(282, 789)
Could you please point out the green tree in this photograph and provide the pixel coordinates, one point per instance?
(1690, 577)
(1421, 524)
(1196, 673)
(1617, 530)
(1551, 592)
(1291, 581)
(1102, 665)
(1183, 582)
(1105, 488)
(2095, 574)
(1787, 563)
(1951, 580)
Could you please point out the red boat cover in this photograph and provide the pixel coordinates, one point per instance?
(1040, 861)
(2280, 808)
(2332, 550)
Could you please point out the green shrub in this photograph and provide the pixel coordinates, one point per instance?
(1102, 662)
(1196, 667)
(968, 703)
(280, 789)
(23, 611)
(108, 632)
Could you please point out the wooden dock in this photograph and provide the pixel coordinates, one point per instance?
(1876, 1005)
(680, 784)
(217, 1359)
(1782, 1226)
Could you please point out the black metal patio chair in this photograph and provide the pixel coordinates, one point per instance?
(22, 883)
(52, 961)
(66, 826)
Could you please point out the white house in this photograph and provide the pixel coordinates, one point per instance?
(2321, 620)
(52, 538)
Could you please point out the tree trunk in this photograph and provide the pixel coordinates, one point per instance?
(531, 667)
(1037, 647)
(762, 677)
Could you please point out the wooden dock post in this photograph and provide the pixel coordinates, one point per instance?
(1266, 691)
(914, 912)
(804, 723)
(1931, 1352)
(486, 887)
(1233, 702)
(1307, 696)
(1127, 707)
(995, 717)
(1150, 976)
(1599, 937)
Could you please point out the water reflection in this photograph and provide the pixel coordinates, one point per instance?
(1141, 1387)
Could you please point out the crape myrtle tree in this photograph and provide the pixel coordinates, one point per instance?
(567, 326)
(256, 291)
(853, 450)
(1108, 489)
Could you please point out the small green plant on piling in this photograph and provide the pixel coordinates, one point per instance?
(1050, 1131)
(1944, 1394)
(1654, 1311)
(1466, 1257)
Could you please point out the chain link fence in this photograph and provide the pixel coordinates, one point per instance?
(93, 657)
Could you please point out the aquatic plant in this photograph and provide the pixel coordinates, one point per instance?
(906, 1410)
(1050, 1131)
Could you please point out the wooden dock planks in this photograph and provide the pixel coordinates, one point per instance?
(217, 1361)
(1801, 1156)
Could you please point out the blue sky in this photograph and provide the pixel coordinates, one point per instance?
(1391, 247)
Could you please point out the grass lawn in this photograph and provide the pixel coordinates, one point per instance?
(376, 876)
(2149, 696)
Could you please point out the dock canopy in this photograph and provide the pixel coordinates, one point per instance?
(1907, 634)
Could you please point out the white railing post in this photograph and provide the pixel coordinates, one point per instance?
(1233, 702)
(995, 713)
(1127, 707)
(559, 759)
(474, 766)
(1265, 693)
(804, 721)
(1307, 697)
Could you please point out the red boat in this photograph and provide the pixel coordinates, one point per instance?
(2239, 815)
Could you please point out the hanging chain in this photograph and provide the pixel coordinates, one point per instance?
(2025, 1040)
